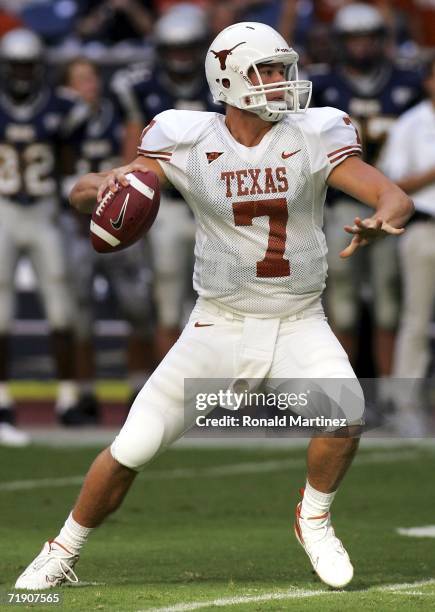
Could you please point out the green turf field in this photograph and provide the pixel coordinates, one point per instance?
(211, 529)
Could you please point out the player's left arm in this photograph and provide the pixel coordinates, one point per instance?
(393, 207)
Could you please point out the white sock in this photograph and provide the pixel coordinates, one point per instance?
(5, 396)
(67, 395)
(72, 535)
(315, 503)
(385, 388)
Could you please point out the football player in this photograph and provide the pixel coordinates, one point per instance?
(97, 148)
(35, 123)
(373, 91)
(176, 81)
(260, 271)
(409, 159)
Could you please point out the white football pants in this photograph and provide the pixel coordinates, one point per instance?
(228, 346)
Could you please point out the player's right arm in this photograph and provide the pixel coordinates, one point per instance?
(89, 188)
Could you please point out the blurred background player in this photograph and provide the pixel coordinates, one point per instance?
(409, 159)
(367, 85)
(114, 21)
(128, 272)
(35, 124)
(176, 80)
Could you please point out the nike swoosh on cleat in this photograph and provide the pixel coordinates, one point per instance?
(117, 223)
(285, 155)
(203, 324)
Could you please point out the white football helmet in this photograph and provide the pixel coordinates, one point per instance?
(358, 18)
(181, 37)
(353, 21)
(243, 46)
(21, 62)
(21, 45)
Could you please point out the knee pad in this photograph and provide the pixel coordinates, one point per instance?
(386, 307)
(343, 309)
(387, 314)
(140, 438)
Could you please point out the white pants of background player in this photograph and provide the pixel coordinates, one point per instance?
(376, 267)
(173, 240)
(412, 355)
(230, 347)
(32, 230)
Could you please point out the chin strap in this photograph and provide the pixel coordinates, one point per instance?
(273, 112)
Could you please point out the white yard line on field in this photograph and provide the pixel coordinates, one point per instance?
(233, 469)
(294, 593)
(426, 531)
(413, 593)
(75, 585)
(405, 585)
(243, 599)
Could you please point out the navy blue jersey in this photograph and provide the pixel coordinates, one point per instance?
(31, 139)
(372, 104)
(97, 146)
(143, 93)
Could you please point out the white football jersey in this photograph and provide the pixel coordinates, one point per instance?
(260, 248)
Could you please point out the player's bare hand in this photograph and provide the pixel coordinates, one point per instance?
(365, 231)
(116, 178)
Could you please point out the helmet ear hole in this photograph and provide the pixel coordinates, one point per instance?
(226, 83)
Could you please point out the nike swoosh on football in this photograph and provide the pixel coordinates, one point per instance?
(117, 223)
(285, 155)
(203, 324)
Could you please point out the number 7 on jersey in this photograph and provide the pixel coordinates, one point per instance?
(274, 264)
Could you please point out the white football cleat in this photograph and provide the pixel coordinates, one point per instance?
(53, 566)
(12, 436)
(327, 554)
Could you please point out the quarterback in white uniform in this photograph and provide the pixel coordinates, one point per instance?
(256, 181)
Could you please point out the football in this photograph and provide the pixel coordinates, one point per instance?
(122, 218)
